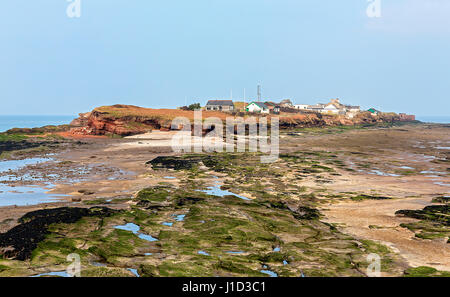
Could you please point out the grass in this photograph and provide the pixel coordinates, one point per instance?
(12, 137)
(425, 271)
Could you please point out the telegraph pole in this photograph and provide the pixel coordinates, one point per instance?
(259, 93)
(244, 101)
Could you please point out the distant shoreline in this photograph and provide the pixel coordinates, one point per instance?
(31, 121)
(434, 119)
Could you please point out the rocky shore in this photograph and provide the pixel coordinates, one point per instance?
(336, 194)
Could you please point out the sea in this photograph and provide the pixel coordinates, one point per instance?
(434, 119)
(32, 121)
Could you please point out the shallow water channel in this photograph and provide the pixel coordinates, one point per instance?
(11, 194)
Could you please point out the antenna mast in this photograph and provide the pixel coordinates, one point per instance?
(259, 93)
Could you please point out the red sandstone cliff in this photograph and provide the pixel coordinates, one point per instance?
(125, 120)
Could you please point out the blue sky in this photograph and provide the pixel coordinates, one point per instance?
(158, 53)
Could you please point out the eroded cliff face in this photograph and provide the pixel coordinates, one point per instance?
(101, 124)
(126, 120)
(104, 123)
(81, 121)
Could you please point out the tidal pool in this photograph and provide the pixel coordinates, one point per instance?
(134, 271)
(235, 252)
(270, 273)
(26, 195)
(129, 227)
(217, 191)
(56, 273)
(203, 253)
(406, 167)
(23, 195)
(381, 173)
(429, 157)
(179, 218)
(431, 173)
(147, 237)
(135, 229)
(12, 165)
(167, 224)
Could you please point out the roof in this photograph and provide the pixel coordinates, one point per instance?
(317, 106)
(259, 104)
(333, 105)
(352, 106)
(220, 102)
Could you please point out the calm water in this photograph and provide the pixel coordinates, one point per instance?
(434, 119)
(23, 195)
(55, 273)
(135, 229)
(7, 122)
(217, 191)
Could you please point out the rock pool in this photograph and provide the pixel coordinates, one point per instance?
(135, 229)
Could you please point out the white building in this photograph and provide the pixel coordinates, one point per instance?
(332, 108)
(301, 106)
(222, 105)
(352, 109)
(257, 107)
(316, 108)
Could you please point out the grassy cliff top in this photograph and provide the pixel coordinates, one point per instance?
(120, 111)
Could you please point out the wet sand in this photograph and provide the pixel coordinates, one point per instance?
(356, 219)
(391, 154)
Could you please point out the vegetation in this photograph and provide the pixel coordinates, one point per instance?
(424, 271)
(195, 106)
(11, 137)
(266, 219)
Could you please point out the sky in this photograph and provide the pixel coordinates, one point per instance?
(162, 54)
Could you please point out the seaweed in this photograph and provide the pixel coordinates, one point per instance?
(20, 241)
